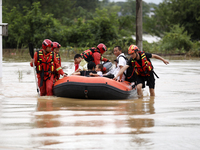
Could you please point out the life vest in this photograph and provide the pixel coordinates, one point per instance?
(57, 75)
(45, 65)
(58, 58)
(87, 54)
(130, 75)
(146, 67)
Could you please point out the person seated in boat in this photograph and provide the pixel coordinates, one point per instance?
(91, 69)
(110, 74)
(80, 63)
(99, 70)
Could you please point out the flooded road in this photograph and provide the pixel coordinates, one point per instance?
(170, 120)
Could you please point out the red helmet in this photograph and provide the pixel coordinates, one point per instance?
(55, 45)
(47, 43)
(132, 48)
(102, 48)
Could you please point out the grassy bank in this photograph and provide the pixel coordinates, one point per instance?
(67, 54)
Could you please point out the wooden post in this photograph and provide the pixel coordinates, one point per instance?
(1, 53)
(139, 24)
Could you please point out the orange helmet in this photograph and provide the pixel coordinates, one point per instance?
(102, 48)
(55, 45)
(132, 48)
(47, 43)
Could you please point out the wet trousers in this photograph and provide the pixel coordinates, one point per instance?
(47, 88)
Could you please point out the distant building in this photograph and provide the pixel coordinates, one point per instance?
(151, 13)
(119, 14)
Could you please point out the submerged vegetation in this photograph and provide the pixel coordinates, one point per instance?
(82, 24)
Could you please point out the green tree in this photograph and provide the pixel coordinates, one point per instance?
(59, 8)
(100, 29)
(176, 39)
(34, 26)
(89, 5)
(14, 19)
(172, 12)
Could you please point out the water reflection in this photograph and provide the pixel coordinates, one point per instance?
(61, 117)
(138, 122)
(142, 106)
(46, 120)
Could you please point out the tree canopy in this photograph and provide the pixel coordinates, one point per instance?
(82, 23)
(171, 12)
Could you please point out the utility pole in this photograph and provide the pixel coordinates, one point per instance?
(139, 24)
(1, 43)
(3, 32)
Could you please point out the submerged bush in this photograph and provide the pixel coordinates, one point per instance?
(176, 40)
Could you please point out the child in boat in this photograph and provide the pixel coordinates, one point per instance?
(99, 70)
(91, 69)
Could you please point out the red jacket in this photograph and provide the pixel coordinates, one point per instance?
(93, 54)
(98, 58)
(48, 62)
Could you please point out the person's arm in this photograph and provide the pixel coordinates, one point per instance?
(94, 74)
(121, 63)
(34, 60)
(121, 72)
(159, 57)
(76, 73)
(104, 59)
(60, 61)
(58, 67)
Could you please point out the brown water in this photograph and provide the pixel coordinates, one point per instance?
(170, 120)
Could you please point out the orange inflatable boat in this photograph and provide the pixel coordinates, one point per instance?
(93, 88)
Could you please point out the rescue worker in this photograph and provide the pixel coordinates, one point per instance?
(95, 55)
(55, 49)
(140, 61)
(46, 66)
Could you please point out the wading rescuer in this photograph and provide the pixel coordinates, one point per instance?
(46, 65)
(140, 61)
(95, 55)
(55, 48)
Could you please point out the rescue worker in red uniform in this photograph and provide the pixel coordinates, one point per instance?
(46, 66)
(55, 49)
(94, 54)
(143, 67)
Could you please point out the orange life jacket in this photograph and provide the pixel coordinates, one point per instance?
(45, 65)
(87, 54)
(146, 67)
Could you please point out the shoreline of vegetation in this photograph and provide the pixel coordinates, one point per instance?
(22, 55)
(84, 24)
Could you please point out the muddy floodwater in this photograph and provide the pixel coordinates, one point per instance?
(169, 121)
